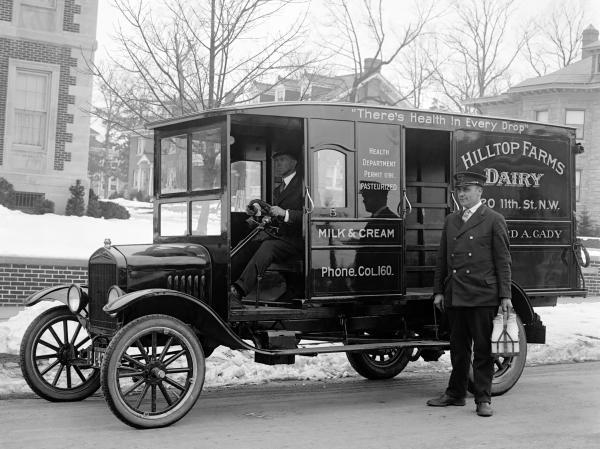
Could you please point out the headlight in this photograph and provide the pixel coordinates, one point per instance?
(114, 292)
(76, 298)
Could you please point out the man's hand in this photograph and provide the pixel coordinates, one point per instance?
(277, 211)
(505, 305)
(438, 301)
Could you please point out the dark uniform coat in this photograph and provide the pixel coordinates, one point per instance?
(291, 199)
(473, 264)
(265, 249)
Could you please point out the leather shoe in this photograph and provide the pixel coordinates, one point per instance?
(484, 409)
(445, 400)
(235, 299)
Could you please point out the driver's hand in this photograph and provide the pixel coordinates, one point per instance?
(277, 211)
(438, 301)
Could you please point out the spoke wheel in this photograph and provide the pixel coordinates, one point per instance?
(380, 364)
(51, 357)
(153, 371)
(507, 370)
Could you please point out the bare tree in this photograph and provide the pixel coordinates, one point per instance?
(179, 57)
(481, 50)
(417, 69)
(367, 41)
(557, 39)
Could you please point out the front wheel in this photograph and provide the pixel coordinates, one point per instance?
(51, 357)
(153, 372)
(380, 364)
(507, 370)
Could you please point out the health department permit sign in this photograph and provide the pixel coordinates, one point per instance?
(526, 178)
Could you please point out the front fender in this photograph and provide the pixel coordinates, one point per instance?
(56, 293)
(205, 320)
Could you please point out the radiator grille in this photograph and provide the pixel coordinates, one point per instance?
(101, 277)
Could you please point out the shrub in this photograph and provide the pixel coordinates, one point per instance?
(113, 210)
(138, 195)
(586, 227)
(76, 204)
(115, 195)
(44, 207)
(93, 208)
(7, 194)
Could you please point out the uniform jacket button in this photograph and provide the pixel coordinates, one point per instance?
(470, 254)
(453, 271)
(468, 271)
(470, 237)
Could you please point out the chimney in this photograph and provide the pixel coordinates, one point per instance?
(588, 37)
(373, 63)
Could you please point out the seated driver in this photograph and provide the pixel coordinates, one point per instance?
(265, 249)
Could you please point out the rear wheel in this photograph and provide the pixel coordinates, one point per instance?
(380, 364)
(507, 370)
(51, 357)
(153, 371)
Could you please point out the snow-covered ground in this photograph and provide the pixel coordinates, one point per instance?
(573, 330)
(59, 236)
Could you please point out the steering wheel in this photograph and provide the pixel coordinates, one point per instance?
(259, 215)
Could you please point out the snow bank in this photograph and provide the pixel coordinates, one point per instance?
(52, 236)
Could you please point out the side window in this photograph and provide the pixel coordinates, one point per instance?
(246, 179)
(173, 163)
(206, 159)
(173, 219)
(330, 182)
(206, 217)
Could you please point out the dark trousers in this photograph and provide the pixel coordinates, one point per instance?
(260, 253)
(471, 326)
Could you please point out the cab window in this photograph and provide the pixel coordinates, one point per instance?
(246, 183)
(173, 219)
(173, 162)
(206, 217)
(206, 159)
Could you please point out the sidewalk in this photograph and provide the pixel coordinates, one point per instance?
(7, 312)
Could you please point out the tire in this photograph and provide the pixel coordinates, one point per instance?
(153, 372)
(380, 364)
(507, 370)
(50, 347)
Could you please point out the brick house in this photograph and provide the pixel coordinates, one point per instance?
(568, 96)
(44, 90)
(375, 89)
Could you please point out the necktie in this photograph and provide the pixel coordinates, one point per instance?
(466, 214)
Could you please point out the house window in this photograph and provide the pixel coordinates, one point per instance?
(140, 146)
(541, 116)
(576, 119)
(280, 93)
(28, 200)
(39, 15)
(31, 107)
(578, 185)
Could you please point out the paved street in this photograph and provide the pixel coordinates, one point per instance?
(552, 406)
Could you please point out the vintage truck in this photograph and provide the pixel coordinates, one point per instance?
(151, 314)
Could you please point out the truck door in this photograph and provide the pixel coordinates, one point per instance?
(355, 228)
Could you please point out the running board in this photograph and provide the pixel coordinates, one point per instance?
(357, 348)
